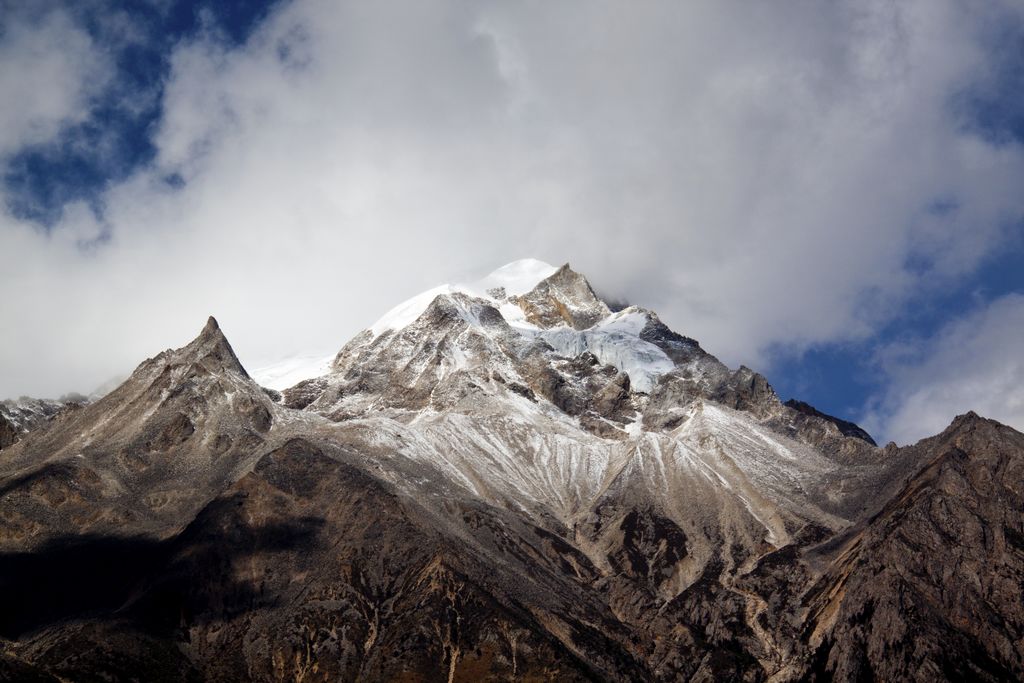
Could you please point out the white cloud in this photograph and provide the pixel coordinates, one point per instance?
(974, 363)
(759, 175)
(48, 69)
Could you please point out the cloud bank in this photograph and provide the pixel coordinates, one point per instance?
(974, 363)
(775, 175)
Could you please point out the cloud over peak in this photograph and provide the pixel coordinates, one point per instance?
(791, 175)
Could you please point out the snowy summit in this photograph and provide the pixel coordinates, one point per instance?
(512, 279)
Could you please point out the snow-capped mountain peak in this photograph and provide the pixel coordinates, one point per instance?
(516, 278)
(513, 279)
(539, 327)
(512, 457)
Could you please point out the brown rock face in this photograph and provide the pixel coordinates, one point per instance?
(309, 568)
(929, 589)
(564, 298)
(472, 498)
(8, 432)
(845, 428)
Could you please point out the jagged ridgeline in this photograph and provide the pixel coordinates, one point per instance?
(501, 480)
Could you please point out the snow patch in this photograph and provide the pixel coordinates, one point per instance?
(289, 372)
(516, 278)
(406, 312)
(615, 341)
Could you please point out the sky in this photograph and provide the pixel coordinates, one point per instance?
(830, 193)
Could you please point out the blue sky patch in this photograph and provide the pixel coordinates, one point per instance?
(115, 139)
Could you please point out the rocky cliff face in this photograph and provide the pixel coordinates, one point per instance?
(503, 480)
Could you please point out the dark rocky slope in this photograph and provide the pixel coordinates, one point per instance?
(930, 588)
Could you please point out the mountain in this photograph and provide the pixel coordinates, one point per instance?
(501, 480)
(18, 417)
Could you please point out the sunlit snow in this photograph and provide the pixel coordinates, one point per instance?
(615, 341)
(291, 371)
(518, 277)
